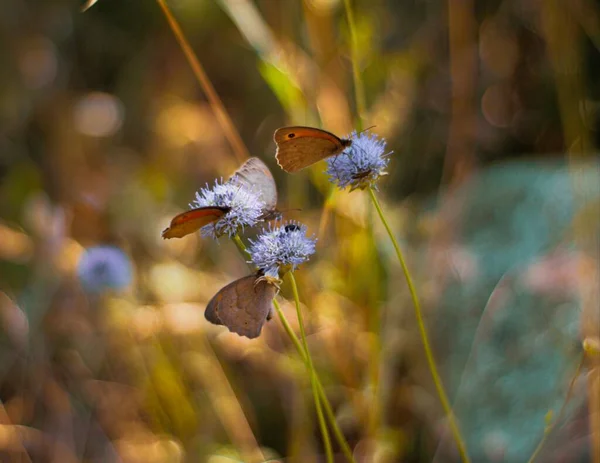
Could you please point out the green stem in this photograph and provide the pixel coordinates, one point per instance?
(359, 90)
(325, 401)
(552, 425)
(296, 342)
(241, 246)
(375, 315)
(425, 338)
(312, 372)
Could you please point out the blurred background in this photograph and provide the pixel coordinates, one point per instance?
(491, 110)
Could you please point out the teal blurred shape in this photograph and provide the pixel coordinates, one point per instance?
(511, 343)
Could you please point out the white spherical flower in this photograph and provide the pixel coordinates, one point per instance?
(281, 248)
(245, 208)
(361, 164)
(103, 268)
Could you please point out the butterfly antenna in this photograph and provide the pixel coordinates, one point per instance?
(364, 130)
(237, 191)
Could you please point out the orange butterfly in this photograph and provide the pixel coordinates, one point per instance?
(192, 221)
(299, 147)
(253, 175)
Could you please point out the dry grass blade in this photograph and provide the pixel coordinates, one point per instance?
(239, 149)
(88, 4)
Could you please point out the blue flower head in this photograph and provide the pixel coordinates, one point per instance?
(281, 248)
(361, 164)
(245, 208)
(103, 268)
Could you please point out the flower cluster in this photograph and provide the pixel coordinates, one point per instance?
(281, 248)
(246, 208)
(361, 164)
(250, 197)
(103, 268)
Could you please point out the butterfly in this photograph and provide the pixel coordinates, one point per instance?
(191, 221)
(254, 176)
(299, 147)
(243, 306)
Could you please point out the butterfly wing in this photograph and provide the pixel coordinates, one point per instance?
(191, 221)
(254, 175)
(299, 147)
(243, 306)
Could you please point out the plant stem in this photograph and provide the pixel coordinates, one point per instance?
(312, 372)
(216, 104)
(359, 90)
(552, 425)
(241, 246)
(325, 401)
(376, 374)
(296, 342)
(424, 337)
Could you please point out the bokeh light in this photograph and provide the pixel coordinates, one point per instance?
(98, 114)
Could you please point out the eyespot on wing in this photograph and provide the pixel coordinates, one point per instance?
(299, 147)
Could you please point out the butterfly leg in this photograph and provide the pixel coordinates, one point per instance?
(269, 280)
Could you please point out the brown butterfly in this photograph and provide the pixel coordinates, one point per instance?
(243, 306)
(253, 175)
(300, 147)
